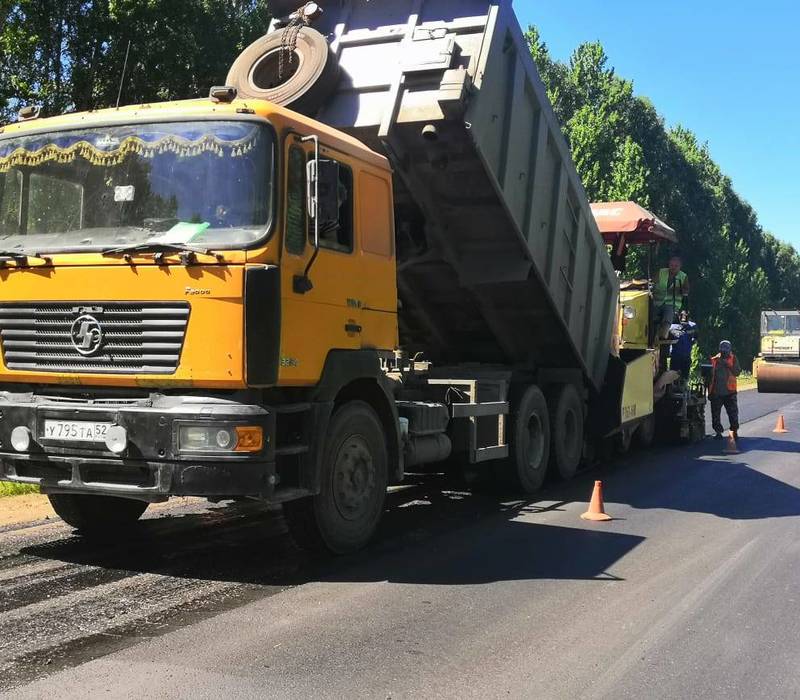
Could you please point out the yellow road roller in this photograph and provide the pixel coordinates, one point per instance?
(777, 368)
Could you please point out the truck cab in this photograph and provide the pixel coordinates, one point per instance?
(162, 275)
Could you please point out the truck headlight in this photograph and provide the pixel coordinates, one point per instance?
(629, 313)
(220, 438)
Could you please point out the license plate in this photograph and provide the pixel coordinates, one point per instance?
(75, 430)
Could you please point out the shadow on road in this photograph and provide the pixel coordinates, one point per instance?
(430, 535)
(702, 479)
(433, 533)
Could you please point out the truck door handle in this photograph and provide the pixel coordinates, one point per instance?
(352, 328)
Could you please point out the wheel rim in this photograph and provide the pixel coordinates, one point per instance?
(534, 449)
(266, 75)
(354, 479)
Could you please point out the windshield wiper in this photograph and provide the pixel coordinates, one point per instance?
(159, 250)
(18, 256)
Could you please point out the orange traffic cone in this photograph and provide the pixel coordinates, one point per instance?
(596, 510)
(780, 426)
(731, 448)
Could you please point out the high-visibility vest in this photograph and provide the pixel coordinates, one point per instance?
(670, 291)
(730, 361)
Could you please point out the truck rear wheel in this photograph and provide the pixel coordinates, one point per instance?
(566, 427)
(96, 515)
(343, 517)
(526, 467)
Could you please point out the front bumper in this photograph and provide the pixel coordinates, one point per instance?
(151, 468)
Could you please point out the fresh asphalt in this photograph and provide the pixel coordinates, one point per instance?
(690, 592)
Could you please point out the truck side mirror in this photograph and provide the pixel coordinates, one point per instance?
(311, 189)
(322, 203)
(322, 192)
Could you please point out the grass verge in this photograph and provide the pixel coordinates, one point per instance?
(747, 381)
(7, 489)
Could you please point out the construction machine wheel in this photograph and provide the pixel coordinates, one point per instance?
(526, 467)
(96, 515)
(778, 378)
(624, 441)
(343, 517)
(566, 429)
(301, 78)
(645, 434)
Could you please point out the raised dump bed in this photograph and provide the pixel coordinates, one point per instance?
(500, 259)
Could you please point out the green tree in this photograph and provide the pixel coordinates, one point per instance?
(623, 150)
(69, 54)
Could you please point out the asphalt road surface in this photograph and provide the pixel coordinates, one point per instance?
(691, 592)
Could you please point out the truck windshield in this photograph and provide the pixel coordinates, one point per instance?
(782, 323)
(204, 183)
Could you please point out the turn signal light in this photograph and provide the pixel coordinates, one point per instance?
(249, 438)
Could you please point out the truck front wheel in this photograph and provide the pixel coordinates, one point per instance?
(96, 515)
(566, 425)
(530, 443)
(346, 513)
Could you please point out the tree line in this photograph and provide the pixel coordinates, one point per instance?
(624, 151)
(69, 55)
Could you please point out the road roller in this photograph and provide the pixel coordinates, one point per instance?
(777, 367)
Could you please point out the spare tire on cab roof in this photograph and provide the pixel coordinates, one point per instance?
(309, 76)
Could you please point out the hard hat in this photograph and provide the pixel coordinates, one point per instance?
(725, 346)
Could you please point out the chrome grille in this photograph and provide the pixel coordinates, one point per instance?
(142, 338)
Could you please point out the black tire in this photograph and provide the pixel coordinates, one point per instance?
(309, 77)
(645, 434)
(526, 467)
(96, 515)
(566, 430)
(343, 520)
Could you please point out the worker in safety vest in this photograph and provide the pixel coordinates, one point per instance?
(670, 294)
(722, 390)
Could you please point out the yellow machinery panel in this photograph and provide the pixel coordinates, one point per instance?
(637, 394)
(784, 346)
(635, 319)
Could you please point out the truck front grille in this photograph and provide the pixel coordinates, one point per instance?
(99, 338)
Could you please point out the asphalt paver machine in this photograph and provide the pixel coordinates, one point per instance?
(679, 396)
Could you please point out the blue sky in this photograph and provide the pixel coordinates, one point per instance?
(729, 71)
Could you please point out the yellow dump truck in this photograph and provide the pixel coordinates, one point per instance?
(368, 253)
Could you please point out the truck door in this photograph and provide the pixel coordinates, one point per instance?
(326, 314)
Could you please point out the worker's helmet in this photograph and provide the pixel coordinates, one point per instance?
(725, 346)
